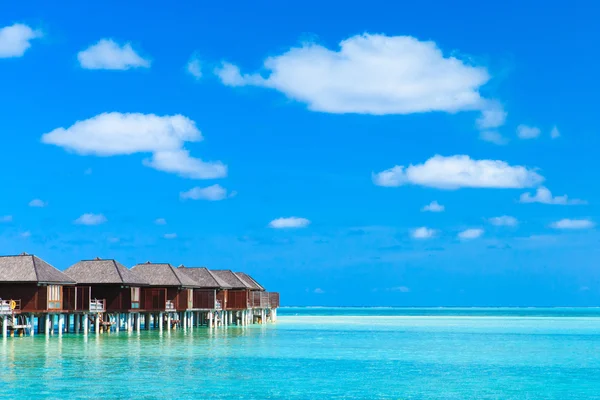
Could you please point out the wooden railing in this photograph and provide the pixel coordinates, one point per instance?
(10, 306)
(97, 305)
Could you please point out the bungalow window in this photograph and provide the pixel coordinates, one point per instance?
(135, 297)
(54, 297)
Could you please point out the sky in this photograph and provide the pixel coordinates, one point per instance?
(344, 154)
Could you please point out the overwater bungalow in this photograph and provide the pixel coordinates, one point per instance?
(31, 288)
(265, 302)
(109, 291)
(169, 291)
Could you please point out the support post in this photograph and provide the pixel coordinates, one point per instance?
(47, 324)
(61, 323)
(169, 322)
(138, 322)
(210, 319)
(4, 326)
(86, 323)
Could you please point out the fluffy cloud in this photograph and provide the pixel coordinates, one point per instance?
(528, 132)
(6, 218)
(110, 134)
(289, 222)
(459, 171)
(26, 234)
(160, 221)
(434, 206)
(543, 195)
(170, 235)
(194, 68)
(91, 219)
(374, 74)
(554, 133)
(37, 203)
(211, 193)
(504, 220)
(472, 233)
(573, 224)
(423, 233)
(107, 54)
(493, 137)
(16, 39)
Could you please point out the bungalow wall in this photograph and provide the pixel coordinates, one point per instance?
(117, 298)
(274, 299)
(34, 298)
(237, 299)
(204, 299)
(154, 299)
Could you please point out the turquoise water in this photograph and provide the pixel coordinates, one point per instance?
(322, 353)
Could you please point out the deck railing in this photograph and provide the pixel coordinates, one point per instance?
(9, 306)
(260, 300)
(169, 306)
(97, 305)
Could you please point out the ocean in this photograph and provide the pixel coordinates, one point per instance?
(324, 353)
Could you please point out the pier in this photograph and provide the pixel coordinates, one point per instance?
(102, 295)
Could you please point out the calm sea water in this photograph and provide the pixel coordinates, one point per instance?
(318, 353)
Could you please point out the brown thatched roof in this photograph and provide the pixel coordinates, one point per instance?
(163, 274)
(229, 278)
(101, 271)
(247, 279)
(29, 268)
(204, 277)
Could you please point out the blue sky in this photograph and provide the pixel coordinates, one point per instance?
(302, 144)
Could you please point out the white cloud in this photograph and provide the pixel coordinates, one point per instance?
(107, 54)
(434, 206)
(504, 220)
(573, 224)
(194, 68)
(91, 219)
(459, 171)
(374, 74)
(6, 218)
(472, 233)
(87, 171)
(401, 289)
(528, 132)
(211, 193)
(113, 240)
(170, 235)
(319, 291)
(289, 222)
(423, 233)
(160, 221)
(26, 234)
(110, 134)
(493, 137)
(492, 117)
(543, 195)
(16, 39)
(37, 203)
(555, 133)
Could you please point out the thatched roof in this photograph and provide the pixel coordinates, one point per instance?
(250, 281)
(229, 278)
(29, 268)
(162, 274)
(101, 271)
(204, 277)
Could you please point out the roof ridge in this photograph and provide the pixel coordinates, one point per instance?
(37, 278)
(118, 272)
(176, 276)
